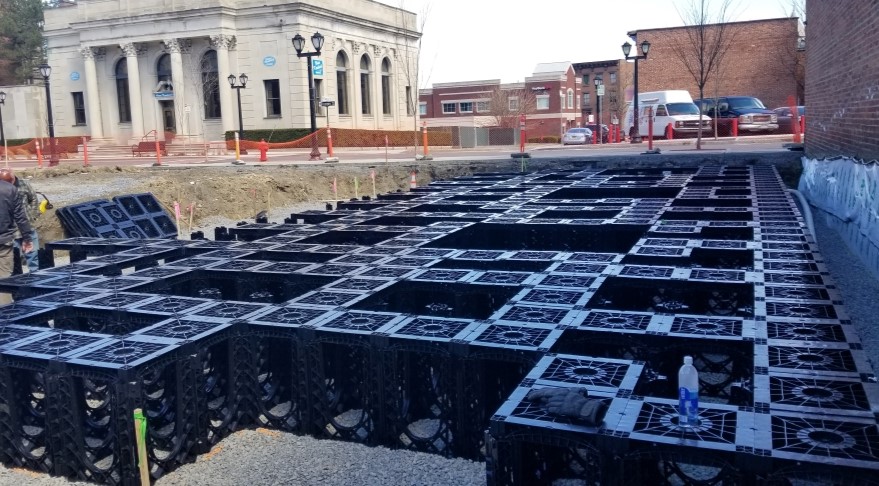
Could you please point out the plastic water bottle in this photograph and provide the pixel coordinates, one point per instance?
(688, 394)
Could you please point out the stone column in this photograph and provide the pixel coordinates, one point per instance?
(130, 50)
(178, 79)
(222, 43)
(95, 122)
(356, 98)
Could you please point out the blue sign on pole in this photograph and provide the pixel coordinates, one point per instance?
(268, 61)
(317, 67)
(74, 76)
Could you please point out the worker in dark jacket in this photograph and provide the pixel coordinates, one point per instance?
(12, 215)
(32, 209)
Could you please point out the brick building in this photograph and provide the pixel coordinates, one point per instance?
(842, 122)
(765, 60)
(550, 99)
(842, 80)
(616, 76)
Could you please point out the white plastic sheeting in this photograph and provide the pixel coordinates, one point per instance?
(848, 190)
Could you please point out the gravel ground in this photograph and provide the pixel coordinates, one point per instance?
(264, 457)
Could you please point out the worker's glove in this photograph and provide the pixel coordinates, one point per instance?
(570, 402)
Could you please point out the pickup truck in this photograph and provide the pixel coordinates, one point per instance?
(752, 115)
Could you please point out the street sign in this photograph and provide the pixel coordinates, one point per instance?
(327, 103)
(600, 90)
(317, 67)
(269, 61)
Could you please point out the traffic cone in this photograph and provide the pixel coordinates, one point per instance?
(412, 182)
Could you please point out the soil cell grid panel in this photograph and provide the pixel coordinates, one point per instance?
(716, 429)
(511, 335)
(547, 296)
(617, 320)
(812, 359)
(707, 326)
(584, 371)
(567, 281)
(799, 393)
(806, 331)
(290, 316)
(433, 328)
(535, 314)
(817, 439)
(359, 321)
(229, 310)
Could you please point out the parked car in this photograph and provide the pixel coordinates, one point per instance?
(670, 107)
(752, 115)
(785, 120)
(577, 136)
(604, 130)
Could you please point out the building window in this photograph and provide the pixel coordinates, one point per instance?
(448, 108)
(613, 78)
(585, 80)
(318, 95)
(273, 98)
(210, 82)
(542, 102)
(365, 98)
(386, 86)
(579, 102)
(467, 107)
(483, 106)
(163, 68)
(570, 99)
(561, 101)
(78, 108)
(342, 83)
(123, 101)
(422, 109)
(409, 100)
(513, 103)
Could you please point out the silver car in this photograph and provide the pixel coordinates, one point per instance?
(577, 136)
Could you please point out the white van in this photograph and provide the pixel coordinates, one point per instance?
(670, 106)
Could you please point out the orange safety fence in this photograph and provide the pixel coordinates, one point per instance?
(63, 145)
(347, 137)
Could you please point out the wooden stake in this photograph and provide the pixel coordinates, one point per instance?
(140, 429)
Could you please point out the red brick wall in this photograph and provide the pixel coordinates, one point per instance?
(761, 62)
(842, 79)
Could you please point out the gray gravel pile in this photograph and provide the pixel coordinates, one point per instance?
(80, 187)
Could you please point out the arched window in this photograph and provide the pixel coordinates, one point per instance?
(386, 86)
(365, 99)
(163, 68)
(210, 84)
(342, 83)
(123, 100)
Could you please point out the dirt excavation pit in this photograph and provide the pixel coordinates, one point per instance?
(230, 193)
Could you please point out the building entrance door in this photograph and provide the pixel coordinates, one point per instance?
(169, 122)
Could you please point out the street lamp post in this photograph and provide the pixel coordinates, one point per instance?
(627, 48)
(598, 87)
(2, 135)
(317, 40)
(242, 80)
(46, 71)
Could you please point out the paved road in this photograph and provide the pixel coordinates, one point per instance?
(408, 155)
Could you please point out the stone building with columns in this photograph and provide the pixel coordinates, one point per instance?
(123, 68)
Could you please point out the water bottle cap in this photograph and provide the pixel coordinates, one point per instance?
(688, 360)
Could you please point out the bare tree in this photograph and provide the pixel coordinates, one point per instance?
(793, 57)
(706, 40)
(507, 105)
(410, 52)
(199, 81)
(616, 95)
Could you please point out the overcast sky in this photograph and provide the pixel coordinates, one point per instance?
(509, 38)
